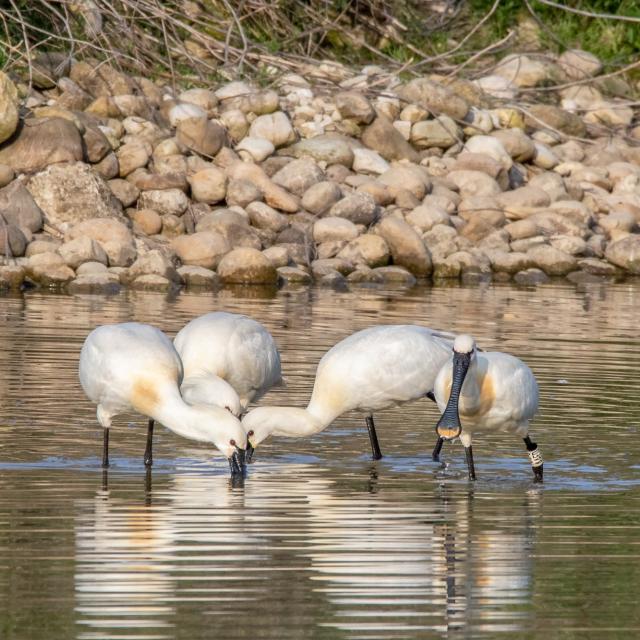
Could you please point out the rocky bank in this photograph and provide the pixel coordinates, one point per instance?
(108, 180)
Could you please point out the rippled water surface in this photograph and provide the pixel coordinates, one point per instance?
(321, 542)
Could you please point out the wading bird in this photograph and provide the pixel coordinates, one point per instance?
(484, 391)
(229, 360)
(134, 366)
(370, 370)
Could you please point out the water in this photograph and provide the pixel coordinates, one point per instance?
(321, 542)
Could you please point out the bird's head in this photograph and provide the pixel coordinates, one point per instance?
(211, 390)
(464, 353)
(224, 430)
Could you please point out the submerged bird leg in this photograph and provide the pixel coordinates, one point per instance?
(105, 448)
(435, 456)
(468, 452)
(373, 438)
(148, 452)
(536, 459)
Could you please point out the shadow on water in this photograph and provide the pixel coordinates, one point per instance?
(319, 541)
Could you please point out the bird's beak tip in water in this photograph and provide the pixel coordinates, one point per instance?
(249, 454)
(237, 462)
(449, 426)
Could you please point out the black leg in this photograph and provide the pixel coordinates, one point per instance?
(469, 455)
(536, 459)
(373, 438)
(105, 449)
(436, 451)
(148, 452)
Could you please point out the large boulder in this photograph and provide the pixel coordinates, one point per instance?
(406, 246)
(247, 266)
(40, 142)
(201, 249)
(69, 193)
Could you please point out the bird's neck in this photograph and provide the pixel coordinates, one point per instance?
(175, 414)
(297, 423)
(470, 393)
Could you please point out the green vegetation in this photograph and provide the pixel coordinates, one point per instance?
(160, 36)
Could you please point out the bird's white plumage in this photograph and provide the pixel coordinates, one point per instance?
(134, 366)
(370, 370)
(499, 392)
(232, 347)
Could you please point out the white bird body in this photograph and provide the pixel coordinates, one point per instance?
(373, 369)
(485, 391)
(233, 348)
(135, 366)
(499, 392)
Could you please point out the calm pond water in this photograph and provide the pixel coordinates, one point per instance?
(321, 542)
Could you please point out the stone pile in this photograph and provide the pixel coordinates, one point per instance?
(108, 180)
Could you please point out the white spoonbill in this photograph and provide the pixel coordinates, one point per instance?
(373, 369)
(487, 390)
(135, 366)
(229, 360)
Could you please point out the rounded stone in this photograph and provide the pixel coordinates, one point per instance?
(247, 266)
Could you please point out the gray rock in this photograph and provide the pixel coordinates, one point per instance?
(49, 270)
(320, 197)
(247, 266)
(13, 243)
(9, 105)
(18, 207)
(71, 193)
(384, 138)
(201, 135)
(80, 250)
(333, 228)
(164, 201)
(265, 217)
(328, 148)
(193, 276)
(201, 249)
(208, 185)
(394, 275)
(368, 249)
(298, 176)
(243, 193)
(442, 132)
(126, 192)
(625, 253)
(355, 106)
(114, 237)
(531, 276)
(293, 275)
(360, 208)
(552, 261)
(11, 277)
(152, 282)
(406, 247)
(156, 263)
(40, 142)
(275, 127)
(434, 97)
(95, 283)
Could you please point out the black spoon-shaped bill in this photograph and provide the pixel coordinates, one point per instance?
(449, 426)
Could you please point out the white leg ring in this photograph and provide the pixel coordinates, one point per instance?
(536, 457)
